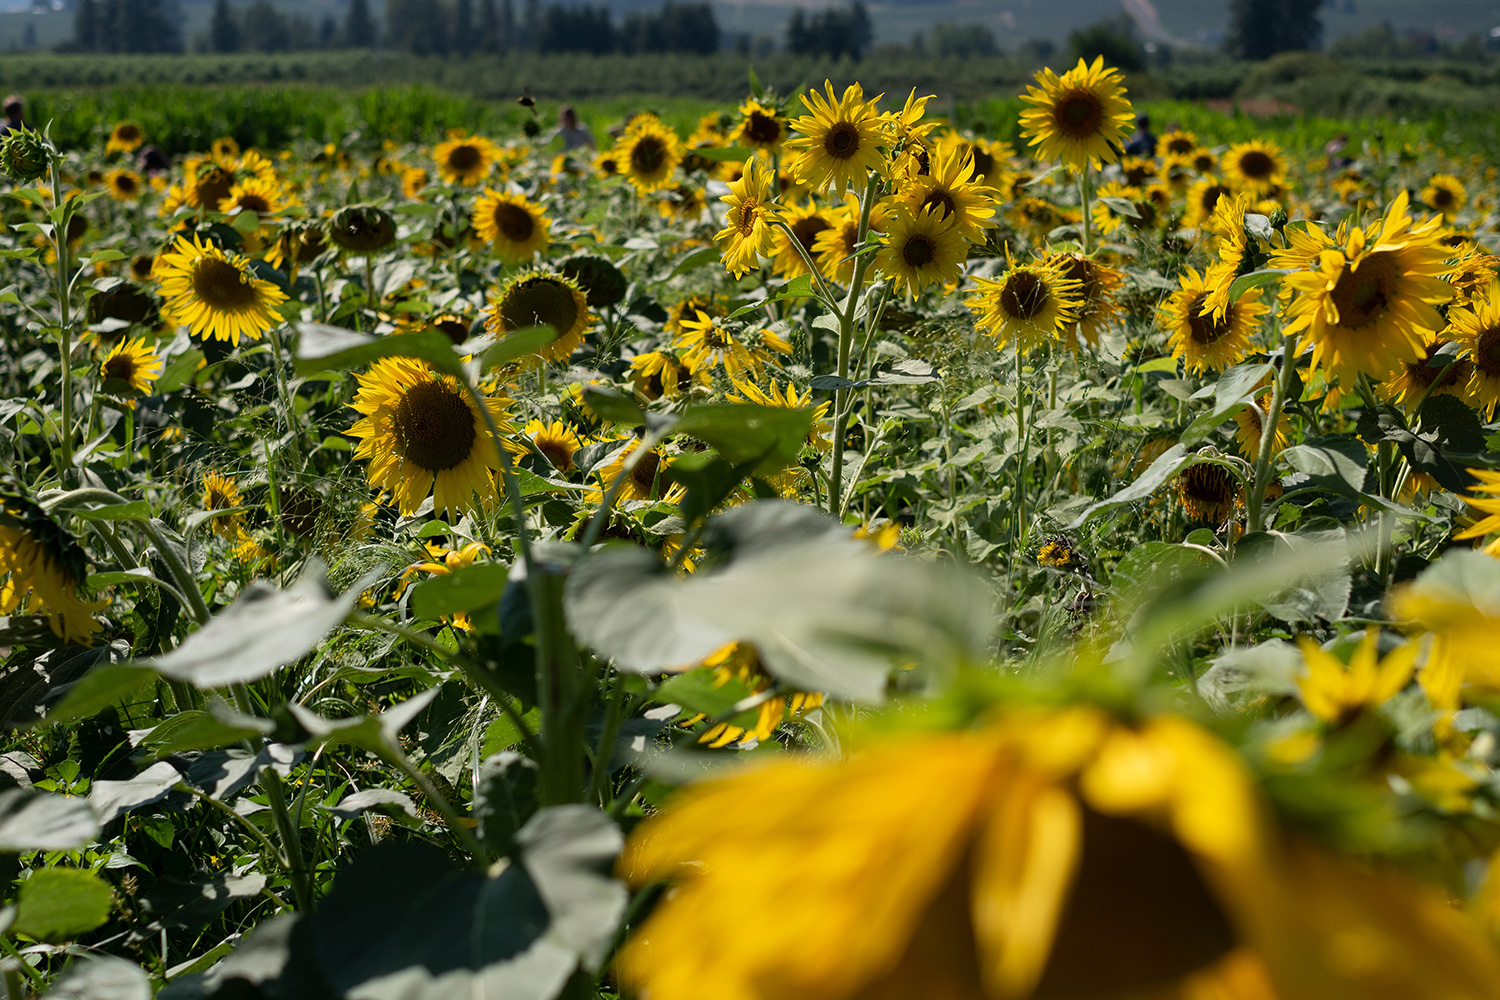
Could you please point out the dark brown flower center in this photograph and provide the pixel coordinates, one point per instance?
(543, 301)
(213, 186)
(1257, 165)
(514, 222)
(121, 366)
(919, 250)
(434, 427)
(1487, 352)
(984, 163)
(1364, 290)
(464, 158)
(647, 155)
(939, 196)
(762, 129)
(749, 212)
(253, 203)
(1205, 330)
(220, 285)
(1024, 296)
(645, 473)
(556, 450)
(1079, 113)
(1443, 197)
(455, 330)
(127, 133)
(807, 230)
(1180, 144)
(1211, 196)
(842, 141)
(125, 184)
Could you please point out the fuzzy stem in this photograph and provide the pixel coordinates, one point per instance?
(846, 339)
(1269, 423)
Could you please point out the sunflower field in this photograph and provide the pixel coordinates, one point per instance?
(832, 554)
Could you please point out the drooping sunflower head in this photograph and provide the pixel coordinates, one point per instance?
(648, 154)
(1250, 429)
(1080, 118)
(839, 142)
(214, 293)
(1208, 492)
(761, 126)
(512, 223)
(920, 249)
(222, 493)
(43, 568)
(1255, 167)
(362, 229)
(1432, 375)
(1204, 340)
(124, 185)
(542, 298)
(602, 282)
(1030, 304)
(465, 159)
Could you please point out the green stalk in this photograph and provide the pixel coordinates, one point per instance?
(291, 857)
(64, 306)
(846, 340)
(1086, 197)
(1021, 454)
(438, 801)
(294, 428)
(1279, 390)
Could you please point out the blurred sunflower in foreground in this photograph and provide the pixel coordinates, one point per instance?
(1050, 854)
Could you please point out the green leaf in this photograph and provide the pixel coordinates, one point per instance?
(466, 589)
(136, 510)
(113, 799)
(1167, 465)
(33, 820)
(1121, 206)
(60, 904)
(1256, 279)
(171, 903)
(101, 687)
(101, 977)
(613, 406)
(375, 733)
(765, 438)
(722, 153)
(518, 344)
(800, 287)
(694, 260)
(263, 630)
(502, 734)
(199, 730)
(322, 348)
(825, 612)
(907, 371)
(1235, 387)
(505, 799)
(386, 800)
(702, 691)
(179, 372)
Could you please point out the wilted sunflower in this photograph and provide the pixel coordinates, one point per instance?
(950, 186)
(1484, 498)
(123, 185)
(1059, 552)
(648, 154)
(223, 493)
(1254, 167)
(1414, 381)
(747, 221)
(1206, 342)
(918, 250)
(43, 569)
(1030, 304)
(760, 127)
(539, 298)
(125, 137)
(516, 227)
(1250, 428)
(1209, 493)
(1368, 305)
(465, 159)
(1097, 305)
(1052, 854)
(213, 292)
(135, 363)
(840, 141)
(556, 441)
(708, 344)
(1080, 118)
(806, 223)
(1445, 193)
(424, 435)
(1476, 328)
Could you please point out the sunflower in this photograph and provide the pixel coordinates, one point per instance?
(1038, 217)
(806, 223)
(1177, 173)
(1097, 305)
(645, 482)
(1249, 429)
(1236, 253)
(555, 441)
(1484, 498)
(747, 221)
(1338, 693)
(414, 181)
(787, 397)
(224, 147)
(465, 159)
(918, 250)
(1367, 306)
(125, 137)
(648, 154)
(686, 309)
(43, 569)
(1254, 167)
(1080, 118)
(739, 661)
(123, 185)
(1414, 381)
(607, 164)
(989, 156)
(514, 225)
(761, 127)
(835, 247)
(542, 298)
(708, 344)
(1030, 304)
(1177, 142)
(213, 293)
(1048, 854)
(908, 138)
(840, 141)
(1109, 216)
(1209, 493)
(683, 203)
(441, 561)
(1445, 193)
(1476, 328)
(424, 435)
(950, 186)
(135, 363)
(223, 493)
(1206, 342)
(661, 373)
(1202, 198)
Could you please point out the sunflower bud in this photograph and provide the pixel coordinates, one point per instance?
(1278, 219)
(23, 155)
(363, 228)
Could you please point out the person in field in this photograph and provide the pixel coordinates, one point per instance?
(572, 132)
(13, 109)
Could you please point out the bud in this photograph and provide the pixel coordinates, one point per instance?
(363, 228)
(23, 154)
(1278, 219)
(531, 128)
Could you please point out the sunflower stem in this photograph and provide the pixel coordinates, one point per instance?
(1085, 197)
(435, 798)
(293, 426)
(1021, 452)
(65, 313)
(846, 340)
(829, 296)
(1280, 389)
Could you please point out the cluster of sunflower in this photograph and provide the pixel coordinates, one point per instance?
(1227, 348)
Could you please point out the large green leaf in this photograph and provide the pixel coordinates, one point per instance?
(322, 348)
(1167, 465)
(101, 977)
(59, 904)
(824, 610)
(466, 589)
(33, 820)
(770, 437)
(403, 924)
(112, 799)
